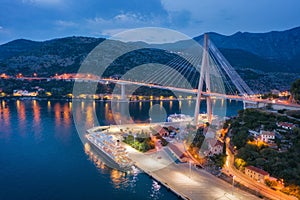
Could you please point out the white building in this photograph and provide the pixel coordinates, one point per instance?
(24, 93)
(215, 147)
(286, 125)
(266, 136)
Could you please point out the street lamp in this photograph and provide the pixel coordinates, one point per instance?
(190, 167)
(233, 183)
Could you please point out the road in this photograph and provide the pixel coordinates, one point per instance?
(250, 183)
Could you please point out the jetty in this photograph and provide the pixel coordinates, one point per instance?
(185, 180)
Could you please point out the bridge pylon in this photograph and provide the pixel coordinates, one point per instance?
(123, 94)
(204, 75)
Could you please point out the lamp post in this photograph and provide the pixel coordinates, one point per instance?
(190, 167)
(233, 183)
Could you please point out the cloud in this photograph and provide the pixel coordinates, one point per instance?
(120, 22)
(129, 17)
(42, 2)
(123, 18)
(62, 23)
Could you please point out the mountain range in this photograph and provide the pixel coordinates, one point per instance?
(272, 51)
(275, 51)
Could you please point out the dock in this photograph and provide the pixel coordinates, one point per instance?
(185, 180)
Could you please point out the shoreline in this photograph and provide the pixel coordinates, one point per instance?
(86, 99)
(184, 180)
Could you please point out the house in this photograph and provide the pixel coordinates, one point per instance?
(256, 173)
(253, 133)
(286, 125)
(162, 131)
(266, 136)
(171, 129)
(215, 147)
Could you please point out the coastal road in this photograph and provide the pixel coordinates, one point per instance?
(243, 179)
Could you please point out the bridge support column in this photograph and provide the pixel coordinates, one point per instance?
(209, 109)
(123, 94)
(204, 73)
(250, 104)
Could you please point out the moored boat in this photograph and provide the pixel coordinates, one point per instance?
(111, 148)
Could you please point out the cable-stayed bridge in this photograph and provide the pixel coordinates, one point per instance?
(211, 77)
(203, 72)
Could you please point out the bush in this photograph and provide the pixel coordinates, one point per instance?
(140, 144)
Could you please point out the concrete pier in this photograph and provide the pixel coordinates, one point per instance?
(184, 180)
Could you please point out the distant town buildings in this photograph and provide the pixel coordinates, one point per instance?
(284, 93)
(24, 93)
(275, 92)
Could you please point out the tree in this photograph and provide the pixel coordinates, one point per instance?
(295, 90)
(224, 148)
(219, 160)
(239, 163)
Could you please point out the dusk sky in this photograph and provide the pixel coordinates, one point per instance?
(47, 19)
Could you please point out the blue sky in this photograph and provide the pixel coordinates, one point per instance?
(47, 19)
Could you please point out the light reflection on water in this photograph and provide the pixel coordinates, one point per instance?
(154, 193)
(21, 116)
(27, 118)
(120, 180)
(5, 113)
(49, 160)
(139, 113)
(36, 125)
(5, 120)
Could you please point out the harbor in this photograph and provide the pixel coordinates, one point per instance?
(182, 178)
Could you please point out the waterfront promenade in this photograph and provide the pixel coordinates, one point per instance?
(185, 180)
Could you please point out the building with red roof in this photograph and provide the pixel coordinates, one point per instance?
(256, 173)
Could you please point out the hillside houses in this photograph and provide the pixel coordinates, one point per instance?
(286, 125)
(278, 139)
(265, 136)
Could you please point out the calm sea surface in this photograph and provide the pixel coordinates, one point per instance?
(42, 156)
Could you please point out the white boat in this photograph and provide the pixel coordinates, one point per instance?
(111, 148)
(179, 118)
